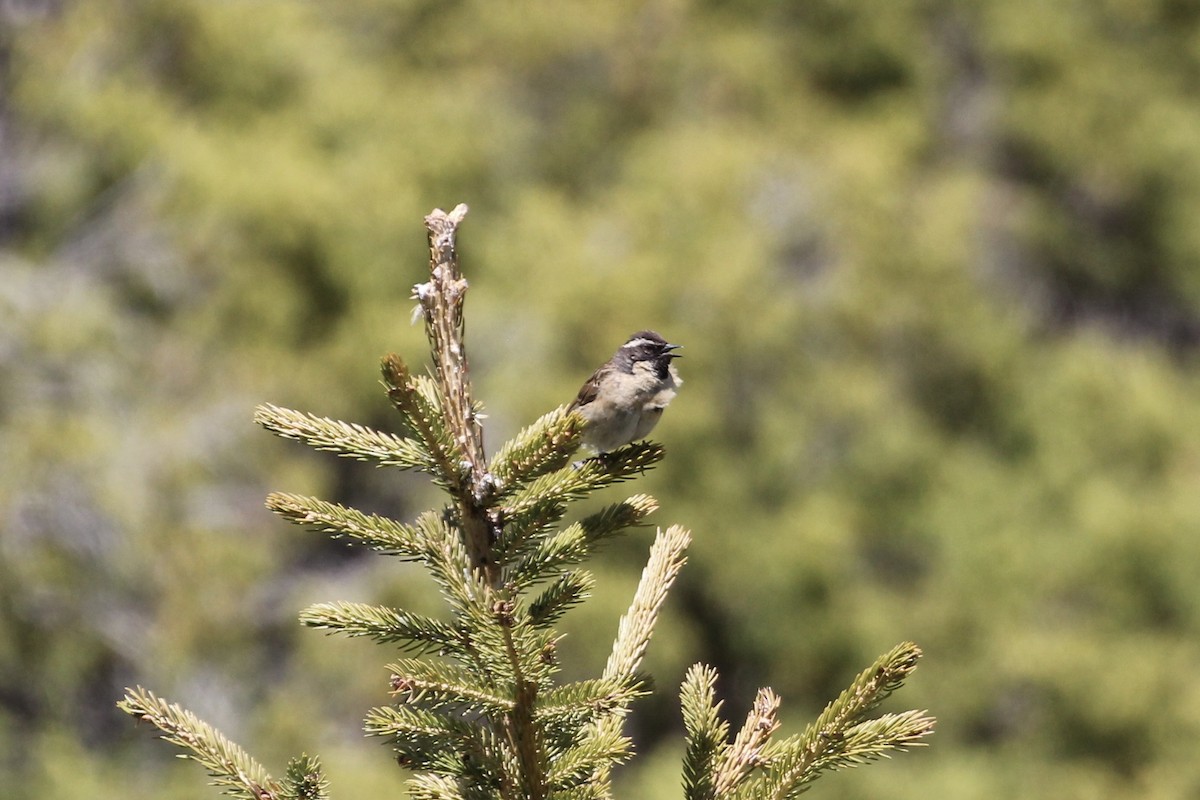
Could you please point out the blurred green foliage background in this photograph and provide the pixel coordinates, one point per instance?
(934, 264)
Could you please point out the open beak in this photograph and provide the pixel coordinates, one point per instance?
(671, 347)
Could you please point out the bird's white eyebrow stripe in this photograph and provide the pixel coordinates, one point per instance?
(639, 343)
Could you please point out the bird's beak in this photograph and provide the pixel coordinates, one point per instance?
(671, 347)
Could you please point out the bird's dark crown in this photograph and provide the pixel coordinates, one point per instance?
(650, 337)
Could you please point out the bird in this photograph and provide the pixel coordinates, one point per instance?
(625, 397)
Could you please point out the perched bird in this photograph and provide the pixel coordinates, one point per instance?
(624, 399)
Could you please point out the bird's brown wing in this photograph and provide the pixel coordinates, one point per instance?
(589, 390)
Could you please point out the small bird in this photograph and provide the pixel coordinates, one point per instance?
(624, 399)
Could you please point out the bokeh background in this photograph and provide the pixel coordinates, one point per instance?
(934, 264)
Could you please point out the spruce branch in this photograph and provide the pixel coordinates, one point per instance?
(637, 625)
(434, 684)
(545, 446)
(419, 403)
(346, 439)
(582, 479)
(574, 768)
(577, 541)
(706, 733)
(877, 738)
(569, 589)
(524, 528)
(840, 737)
(574, 704)
(304, 779)
(525, 736)
(448, 562)
(504, 646)
(428, 786)
(433, 740)
(381, 534)
(588, 791)
(228, 765)
(712, 767)
(746, 753)
(872, 686)
(391, 625)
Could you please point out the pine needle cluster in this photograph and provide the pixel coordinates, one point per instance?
(475, 709)
(755, 767)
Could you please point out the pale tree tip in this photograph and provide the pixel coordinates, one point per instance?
(452, 219)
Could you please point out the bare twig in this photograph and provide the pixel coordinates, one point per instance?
(441, 300)
(746, 752)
